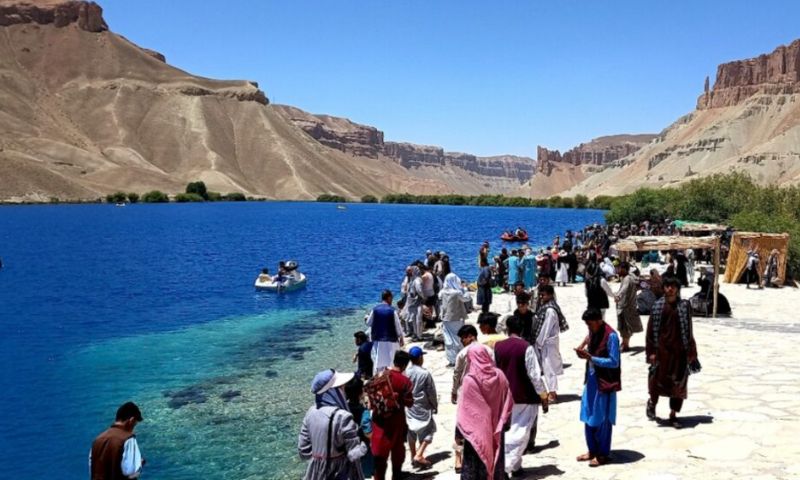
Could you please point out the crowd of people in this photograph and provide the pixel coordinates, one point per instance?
(504, 375)
(506, 368)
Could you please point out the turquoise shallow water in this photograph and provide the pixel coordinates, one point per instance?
(154, 303)
(245, 381)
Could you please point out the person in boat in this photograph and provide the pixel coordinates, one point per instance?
(264, 276)
(519, 232)
(281, 276)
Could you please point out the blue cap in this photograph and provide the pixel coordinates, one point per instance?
(415, 352)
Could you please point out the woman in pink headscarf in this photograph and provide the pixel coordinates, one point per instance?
(484, 409)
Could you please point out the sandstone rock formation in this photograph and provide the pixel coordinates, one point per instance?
(775, 74)
(556, 172)
(85, 112)
(748, 121)
(502, 172)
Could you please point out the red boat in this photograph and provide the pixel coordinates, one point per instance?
(508, 237)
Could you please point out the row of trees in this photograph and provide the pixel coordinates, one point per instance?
(732, 199)
(195, 192)
(578, 201)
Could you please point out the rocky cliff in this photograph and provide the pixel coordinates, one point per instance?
(749, 121)
(598, 152)
(85, 112)
(775, 73)
(363, 140)
(87, 16)
(556, 172)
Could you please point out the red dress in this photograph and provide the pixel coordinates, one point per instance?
(388, 431)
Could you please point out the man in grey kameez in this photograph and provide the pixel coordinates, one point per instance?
(419, 416)
(628, 321)
(329, 435)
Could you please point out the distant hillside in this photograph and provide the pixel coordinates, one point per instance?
(462, 172)
(749, 121)
(557, 172)
(85, 112)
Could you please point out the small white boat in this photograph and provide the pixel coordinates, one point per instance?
(341, 207)
(290, 283)
(122, 204)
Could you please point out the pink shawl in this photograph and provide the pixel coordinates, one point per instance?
(484, 406)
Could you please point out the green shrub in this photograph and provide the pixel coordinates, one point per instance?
(133, 197)
(197, 188)
(567, 202)
(214, 197)
(645, 204)
(602, 202)
(116, 197)
(369, 199)
(235, 197)
(581, 201)
(155, 196)
(327, 197)
(188, 197)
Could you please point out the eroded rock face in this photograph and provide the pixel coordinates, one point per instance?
(774, 73)
(87, 15)
(599, 152)
(336, 132)
(364, 140)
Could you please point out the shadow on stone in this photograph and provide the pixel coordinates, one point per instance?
(567, 397)
(687, 422)
(622, 457)
(423, 475)
(439, 457)
(541, 472)
(635, 351)
(546, 446)
(271, 374)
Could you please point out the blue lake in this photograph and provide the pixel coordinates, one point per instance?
(155, 304)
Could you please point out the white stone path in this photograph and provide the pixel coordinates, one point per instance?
(742, 415)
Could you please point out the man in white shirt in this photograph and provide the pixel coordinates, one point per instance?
(115, 454)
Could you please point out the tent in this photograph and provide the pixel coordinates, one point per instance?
(764, 243)
(645, 244)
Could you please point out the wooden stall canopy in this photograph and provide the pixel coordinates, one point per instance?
(763, 243)
(644, 244)
(685, 226)
(647, 243)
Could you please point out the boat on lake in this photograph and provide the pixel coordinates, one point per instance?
(514, 237)
(287, 280)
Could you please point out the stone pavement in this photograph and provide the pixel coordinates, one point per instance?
(742, 417)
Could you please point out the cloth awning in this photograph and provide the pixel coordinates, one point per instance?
(647, 243)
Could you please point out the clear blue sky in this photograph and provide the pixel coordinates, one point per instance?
(485, 77)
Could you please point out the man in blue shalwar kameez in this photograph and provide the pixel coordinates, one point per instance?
(603, 381)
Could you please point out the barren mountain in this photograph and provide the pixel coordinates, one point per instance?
(556, 172)
(461, 172)
(749, 121)
(84, 112)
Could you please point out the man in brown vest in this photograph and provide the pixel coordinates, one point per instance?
(520, 364)
(115, 454)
